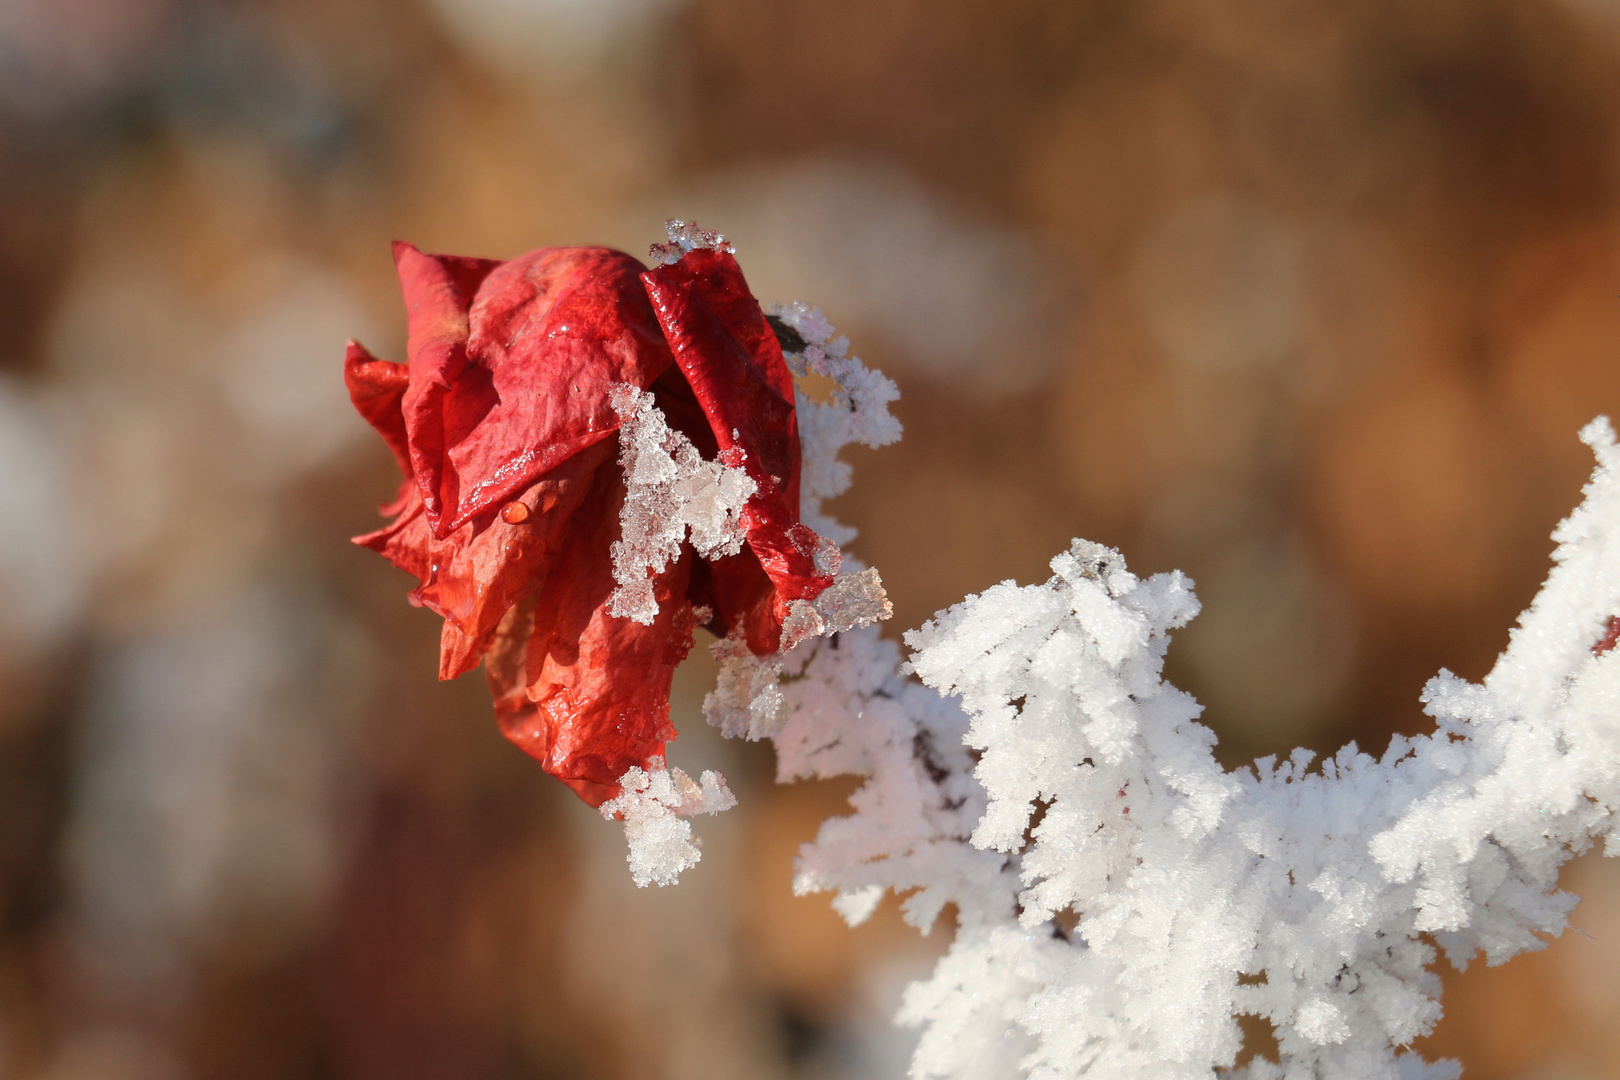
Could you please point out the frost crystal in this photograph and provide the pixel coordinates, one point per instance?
(745, 699)
(857, 413)
(853, 599)
(671, 494)
(654, 805)
(686, 236)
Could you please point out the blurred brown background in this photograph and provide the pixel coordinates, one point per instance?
(1308, 300)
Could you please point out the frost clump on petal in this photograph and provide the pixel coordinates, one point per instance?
(686, 236)
(853, 599)
(654, 804)
(671, 494)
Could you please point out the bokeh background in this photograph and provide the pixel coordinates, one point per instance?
(1308, 300)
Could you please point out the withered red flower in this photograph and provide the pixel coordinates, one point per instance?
(503, 425)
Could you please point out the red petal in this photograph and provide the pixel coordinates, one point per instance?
(520, 718)
(674, 398)
(509, 382)
(481, 569)
(406, 541)
(597, 699)
(745, 596)
(376, 387)
(481, 576)
(732, 360)
(438, 290)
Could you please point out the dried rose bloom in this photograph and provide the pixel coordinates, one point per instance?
(505, 423)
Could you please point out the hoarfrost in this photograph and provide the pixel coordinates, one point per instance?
(746, 699)
(1319, 889)
(857, 413)
(654, 804)
(671, 494)
(686, 236)
(853, 599)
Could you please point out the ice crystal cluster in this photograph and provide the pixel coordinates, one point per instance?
(687, 236)
(652, 802)
(671, 495)
(1121, 898)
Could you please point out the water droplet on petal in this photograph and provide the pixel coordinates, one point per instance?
(514, 513)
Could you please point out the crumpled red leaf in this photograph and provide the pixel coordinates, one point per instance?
(376, 388)
(503, 426)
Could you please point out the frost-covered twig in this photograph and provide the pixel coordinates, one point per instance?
(1196, 894)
